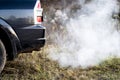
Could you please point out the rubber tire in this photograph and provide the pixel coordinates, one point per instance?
(2, 56)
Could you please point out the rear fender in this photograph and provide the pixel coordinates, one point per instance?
(15, 42)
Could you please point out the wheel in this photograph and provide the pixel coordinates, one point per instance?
(2, 56)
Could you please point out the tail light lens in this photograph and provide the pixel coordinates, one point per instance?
(38, 17)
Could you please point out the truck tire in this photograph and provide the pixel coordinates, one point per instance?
(2, 56)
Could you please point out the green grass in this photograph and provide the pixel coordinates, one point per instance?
(35, 66)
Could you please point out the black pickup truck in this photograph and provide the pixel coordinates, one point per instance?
(20, 28)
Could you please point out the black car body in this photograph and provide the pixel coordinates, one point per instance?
(19, 31)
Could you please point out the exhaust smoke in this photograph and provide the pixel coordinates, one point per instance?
(89, 37)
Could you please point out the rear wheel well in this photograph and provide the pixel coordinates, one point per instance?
(8, 45)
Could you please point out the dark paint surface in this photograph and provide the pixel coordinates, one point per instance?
(19, 14)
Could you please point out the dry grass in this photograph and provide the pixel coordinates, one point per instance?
(35, 66)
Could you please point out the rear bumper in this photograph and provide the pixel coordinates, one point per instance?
(34, 45)
(32, 37)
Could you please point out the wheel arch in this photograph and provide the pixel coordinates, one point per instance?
(10, 39)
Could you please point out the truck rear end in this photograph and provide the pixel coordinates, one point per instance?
(25, 18)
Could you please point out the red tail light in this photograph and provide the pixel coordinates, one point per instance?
(38, 5)
(38, 18)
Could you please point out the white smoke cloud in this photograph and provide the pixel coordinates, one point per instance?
(92, 35)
